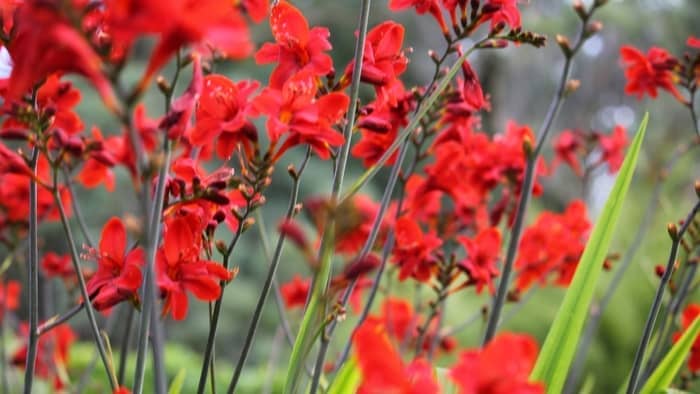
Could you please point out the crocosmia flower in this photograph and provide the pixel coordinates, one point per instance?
(118, 275)
(647, 73)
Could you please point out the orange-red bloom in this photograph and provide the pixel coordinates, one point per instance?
(295, 292)
(501, 367)
(413, 251)
(482, 255)
(118, 275)
(52, 353)
(647, 73)
(297, 48)
(690, 313)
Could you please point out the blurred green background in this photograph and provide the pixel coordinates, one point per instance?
(520, 81)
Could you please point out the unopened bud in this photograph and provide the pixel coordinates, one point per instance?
(248, 223)
(297, 208)
(163, 85)
(593, 28)
(672, 231)
(697, 188)
(527, 146)
(493, 43)
(580, 9)
(292, 172)
(572, 85)
(433, 56)
(659, 270)
(564, 44)
(221, 247)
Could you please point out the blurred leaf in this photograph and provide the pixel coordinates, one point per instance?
(347, 380)
(560, 345)
(667, 370)
(178, 381)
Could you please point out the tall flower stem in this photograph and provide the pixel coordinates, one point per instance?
(90, 311)
(153, 230)
(124, 352)
(634, 380)
(322, 276)
(528, 181)
(274, 263)
(33, 277)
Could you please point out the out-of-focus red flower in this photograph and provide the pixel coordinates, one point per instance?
(179, 267)
(482, 254)
(295, 292)
(297, 48)
(9, 296)
(505, 11)
(381, 366)
(121, 390)
(39, 25)
(647, 73)
(422, 6)
(567, 146)
(612, 148)
(213, 23)
(61, 97)
(97, 167)
(256, 9)
(222, 112)
(413, 251)
(693, 42)
(553, 245)
(295, 112)
(690, 313)
(55, 265)
(118, 275)
(52, 353)
(501, 367)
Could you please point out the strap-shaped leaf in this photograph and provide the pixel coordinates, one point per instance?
(560, 345)
(667, 370)
(347, 380)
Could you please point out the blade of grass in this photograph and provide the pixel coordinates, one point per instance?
(672, 363)
(559, 347)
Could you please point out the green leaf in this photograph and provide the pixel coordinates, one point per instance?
(178, 382)
(347, 380)
(667, 370)
(447, 386)
(559, 347)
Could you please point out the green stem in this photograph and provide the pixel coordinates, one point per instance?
(269, 279)
(149, 288)
(33, 280)
(634, 380)
(90, 311)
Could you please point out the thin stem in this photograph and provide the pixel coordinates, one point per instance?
(97, 337)
(126, 339)
(87, 373)
(274, 263)
(77, 211)
(157, 345)
(58, 320)
(33, 277)
(5, 384)
(597, 310)
(149, 292)
(526, 189)
(693, 114)
(656, 305)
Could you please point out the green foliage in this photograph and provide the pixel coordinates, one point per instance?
(559, 348)
(667, 370)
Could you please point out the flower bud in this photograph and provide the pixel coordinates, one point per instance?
(593, 28)
(659, 270)
(672, 231)
(697, 188)
(292, 172)
(564, 44)
(221, 247)
(580, 9)
(163, 85)
(572, 85)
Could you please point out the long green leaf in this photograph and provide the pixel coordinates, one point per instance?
(667, 370)
(560, 345)
(347, 379)
(178, 382)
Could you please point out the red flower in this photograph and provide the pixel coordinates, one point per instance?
(177, 121)
(505, 11)
(553, 245)
(118, 275)
(295, 292)
(567, 145)
(35, 55)
(52, 353)
(422, 6)
(296, 111)
(647, 73)
(381, 366)
(482, 254)
(297, 48)
(9, 296)
(413, 251)
(690, 313)
(383, 59)
(97, 168)
(55, 265)
(179, 267)
(215, 23)
(612, 148)
(222, 112)
(501, 367)
(61, 97)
